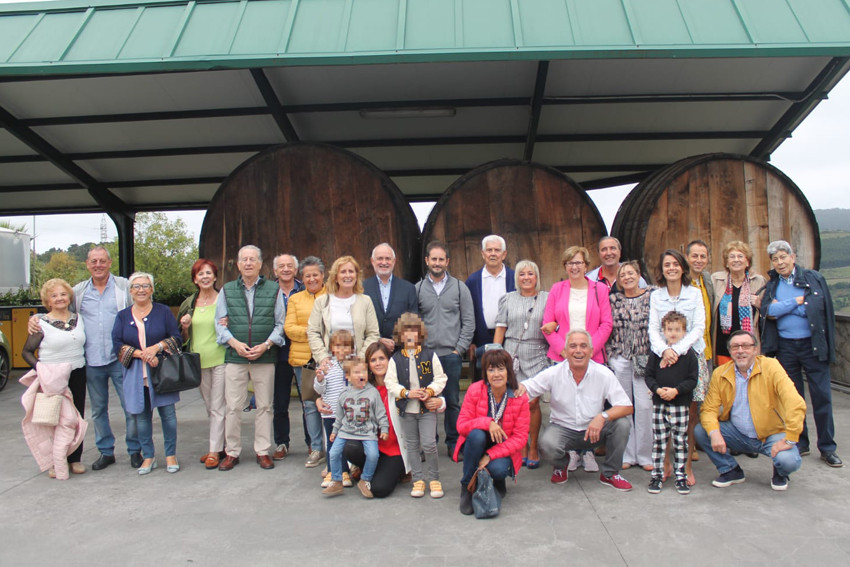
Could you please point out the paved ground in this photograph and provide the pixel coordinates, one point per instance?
(279, 517)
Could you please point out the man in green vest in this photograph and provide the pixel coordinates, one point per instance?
(253, 333)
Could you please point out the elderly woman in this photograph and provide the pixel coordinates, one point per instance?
(737, 303)
(518, 330)
(141, 332)
(492, 425)
(574, 305)
(675, 293)
(628, 352)
(298, 312)
(345, 306)
(61, 338)
(197, 326)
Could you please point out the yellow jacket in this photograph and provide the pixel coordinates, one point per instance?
(295, 326)
(775, 405)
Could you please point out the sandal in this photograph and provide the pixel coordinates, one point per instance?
(533, 464)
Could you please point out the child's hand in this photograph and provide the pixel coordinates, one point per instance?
(424, 395)
(384, 436)
(323, 407)
(332, 437)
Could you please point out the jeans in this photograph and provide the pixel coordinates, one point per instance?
(144, 424)
(97, 380)
(557, 441)
(283, 375)
(785, 462)
(387, 473)
(451, 366)
(473, 449)
(370, 448)
(795, 356)
(328, 424)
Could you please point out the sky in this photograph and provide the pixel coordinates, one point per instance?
(815, 158)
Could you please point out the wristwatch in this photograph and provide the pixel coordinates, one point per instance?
(605, 415)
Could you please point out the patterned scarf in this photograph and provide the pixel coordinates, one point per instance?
(496, 410)
(745, 310)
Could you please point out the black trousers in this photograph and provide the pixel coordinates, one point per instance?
(390, 469)
(77, 385)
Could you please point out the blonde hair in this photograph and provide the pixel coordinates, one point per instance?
(740, 246)
(332, 285)
(49, 285)
(409, 321)
(572, 251)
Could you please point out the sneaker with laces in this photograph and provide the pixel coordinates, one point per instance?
(779, 482)
(365, 488)
(588, 461)
(333, 489)
(314, 459)
(682, 486)
(346, 480)
(616, 482)
(559, 475)
(655, 485)
(326, 482)
(734, 476)
(575, 459)
(436, 489)
(418, 490)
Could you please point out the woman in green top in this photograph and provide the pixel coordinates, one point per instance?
(197, 324)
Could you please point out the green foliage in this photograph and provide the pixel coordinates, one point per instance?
(835, 250)
(20, 297)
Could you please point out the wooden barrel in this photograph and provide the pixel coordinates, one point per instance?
(716, 198)
(538, 210)
(309, 199)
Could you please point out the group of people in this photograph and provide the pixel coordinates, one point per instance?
(627, 366)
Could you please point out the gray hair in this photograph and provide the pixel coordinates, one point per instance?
(779, 246)
(250, 247)
(493, 237)
(522, 265)
(138, 275)
(740, 332)
(614, 238)
(580, 332)
(294, 259)
(312, 261)
(98, 247)
(383, 244)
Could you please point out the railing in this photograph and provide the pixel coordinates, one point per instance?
(840, 371)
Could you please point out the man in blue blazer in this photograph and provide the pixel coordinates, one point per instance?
(391, 296)
(487, 287)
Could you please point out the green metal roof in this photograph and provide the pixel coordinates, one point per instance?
(120, 37)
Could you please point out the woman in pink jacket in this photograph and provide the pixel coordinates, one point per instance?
(577, 304)
(492, 425)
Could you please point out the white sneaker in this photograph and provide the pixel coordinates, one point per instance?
(588, 461)
(575, 459)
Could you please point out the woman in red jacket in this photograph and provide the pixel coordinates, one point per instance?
(493, 425)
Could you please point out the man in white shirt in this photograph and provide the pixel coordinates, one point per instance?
(579, 388)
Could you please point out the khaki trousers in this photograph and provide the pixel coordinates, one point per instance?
(236, 378)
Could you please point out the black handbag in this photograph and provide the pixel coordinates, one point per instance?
(176, 372)
(486, 502)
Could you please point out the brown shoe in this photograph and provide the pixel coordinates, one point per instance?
(211, 461)
(405, 478)
(365, 488)
(77, 468)
(204, 458)
(280, 453)
(334, 489)
(228, 463)
(355, 473)
(265, 462)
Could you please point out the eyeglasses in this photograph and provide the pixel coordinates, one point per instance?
(141, 286)
(574, 264)
(741, 347)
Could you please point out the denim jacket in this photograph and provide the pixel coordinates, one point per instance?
(819, 311)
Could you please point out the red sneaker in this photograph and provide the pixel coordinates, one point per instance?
(559, 475)
(616, 482)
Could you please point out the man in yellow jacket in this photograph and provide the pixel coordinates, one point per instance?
(751, 406)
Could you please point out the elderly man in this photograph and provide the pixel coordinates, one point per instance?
(285, 267)
(799, 328)
(487, 287)
(255, 313)
(578, 421)
(391, 296)
(445, 306)
(751, 407)
(609, 249)
(98, 300)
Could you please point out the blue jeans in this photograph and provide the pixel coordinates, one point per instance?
(370, 447)
(97, 381)
(785, 462)
(473, 449)
(144, 423)
(328, 424)
(796, 355)
(451, 366)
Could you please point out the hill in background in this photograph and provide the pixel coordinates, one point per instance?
(833, 219)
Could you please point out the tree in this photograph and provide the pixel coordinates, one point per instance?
(62, 265)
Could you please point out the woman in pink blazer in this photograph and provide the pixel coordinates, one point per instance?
(577, 303)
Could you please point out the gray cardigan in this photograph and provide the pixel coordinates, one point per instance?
(449, 317)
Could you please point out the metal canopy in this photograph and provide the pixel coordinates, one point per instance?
(125, 107)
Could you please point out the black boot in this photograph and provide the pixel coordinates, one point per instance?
(465, 502)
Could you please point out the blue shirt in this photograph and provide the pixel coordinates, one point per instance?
(385, 291)
(98, 311)
(791, 319)
(741, 417)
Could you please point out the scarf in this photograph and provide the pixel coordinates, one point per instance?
(496, 411)
(745, 311)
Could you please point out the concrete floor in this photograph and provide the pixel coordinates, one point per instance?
(279, 517)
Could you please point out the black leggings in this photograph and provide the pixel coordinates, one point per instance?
(390, 468)
(77, 385)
